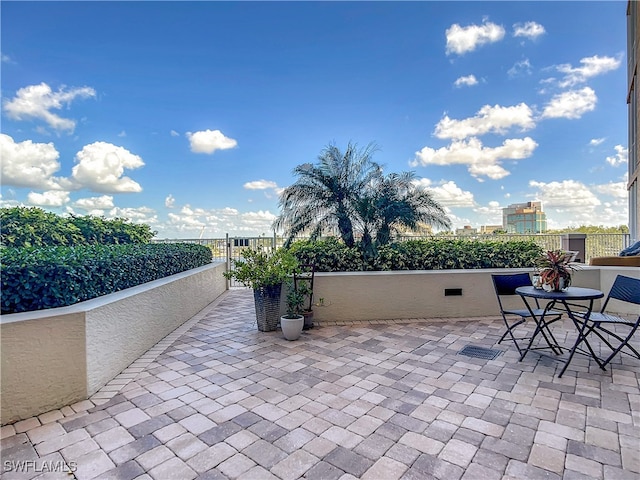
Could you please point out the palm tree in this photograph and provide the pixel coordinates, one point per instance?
(400, 203)
(324, 196)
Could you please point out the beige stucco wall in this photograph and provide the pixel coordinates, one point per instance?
(350, 296)
(116, 337)
(43, 364)
(51, 358)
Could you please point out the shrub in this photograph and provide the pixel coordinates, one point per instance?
(49, 277)
(434, 254)
(330, 255)
(33, 227)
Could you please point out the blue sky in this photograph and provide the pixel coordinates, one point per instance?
(190, 116)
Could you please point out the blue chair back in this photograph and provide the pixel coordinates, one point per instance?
(625, 289)
(507, 284)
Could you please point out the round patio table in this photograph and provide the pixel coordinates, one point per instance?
(566, 300)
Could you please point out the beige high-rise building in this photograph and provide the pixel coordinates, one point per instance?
(633, 100)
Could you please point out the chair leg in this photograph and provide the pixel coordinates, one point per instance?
(583, 332)
(509, 329)
(623, 343)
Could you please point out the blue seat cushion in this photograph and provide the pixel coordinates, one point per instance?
(631, 250)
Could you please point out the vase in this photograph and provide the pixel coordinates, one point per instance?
(559, 284)
(267, 303)
(292, 327)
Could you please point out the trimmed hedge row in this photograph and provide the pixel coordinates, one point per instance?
(434, 254)
(49, 277)
(33, 227)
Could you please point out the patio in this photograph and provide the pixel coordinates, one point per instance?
(372, 400)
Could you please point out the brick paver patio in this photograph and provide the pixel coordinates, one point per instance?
(379, 400)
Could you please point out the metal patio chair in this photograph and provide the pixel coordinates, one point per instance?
(624, 289)
(505, 286)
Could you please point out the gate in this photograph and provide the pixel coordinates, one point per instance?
(236, 245)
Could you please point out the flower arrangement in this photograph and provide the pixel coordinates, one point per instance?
(554, 269)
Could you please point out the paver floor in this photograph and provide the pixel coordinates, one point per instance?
(386, 400)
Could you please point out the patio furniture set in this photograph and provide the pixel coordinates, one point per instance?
(577, 303)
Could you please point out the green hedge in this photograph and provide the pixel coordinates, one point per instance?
(48, 277)
(33, 227)
(434, 254)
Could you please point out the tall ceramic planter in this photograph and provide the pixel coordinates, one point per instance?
(267, 303)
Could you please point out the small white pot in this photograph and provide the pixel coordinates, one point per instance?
(292, 327)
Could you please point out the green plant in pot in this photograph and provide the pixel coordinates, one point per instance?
(264, 271)
(293, 322)
(303, 280)
(554, 270)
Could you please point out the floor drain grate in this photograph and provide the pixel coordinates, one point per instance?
(479, 352)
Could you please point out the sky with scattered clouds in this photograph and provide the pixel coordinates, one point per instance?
(190, 116)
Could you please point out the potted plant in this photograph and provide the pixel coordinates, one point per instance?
(264, 271)
(293, 321)
(303, 281)
(554, 270)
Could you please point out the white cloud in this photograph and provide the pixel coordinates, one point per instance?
(531, 30)
(143, 215)
(100, 167)
(467, 81)
(613, 189)
(461, 40)
(103, 202)
(208, 141)
(169, 202)
(520, 68)
(37, 101)
(215, 223)
(448, 193)
(260, 185)
(173, 133)
(621, 156)
(481, 160)
(5, 58)
(488, 119)
(122, 134)
(567, 194)
(52, 198)
(570, 202)
(571, 104)
(591, 67)
(29, 164)
(594, 142)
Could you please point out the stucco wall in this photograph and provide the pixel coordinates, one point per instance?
(350, 296)
(116, 336)
(51, 358)
(43, 365)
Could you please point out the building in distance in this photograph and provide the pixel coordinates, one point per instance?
(524, 218)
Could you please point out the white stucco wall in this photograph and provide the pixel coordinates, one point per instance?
(350, 296)
(116, 336)
(43, 364)
(54, 357)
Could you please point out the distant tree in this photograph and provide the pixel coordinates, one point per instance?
(324, 197)
(592, 229)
